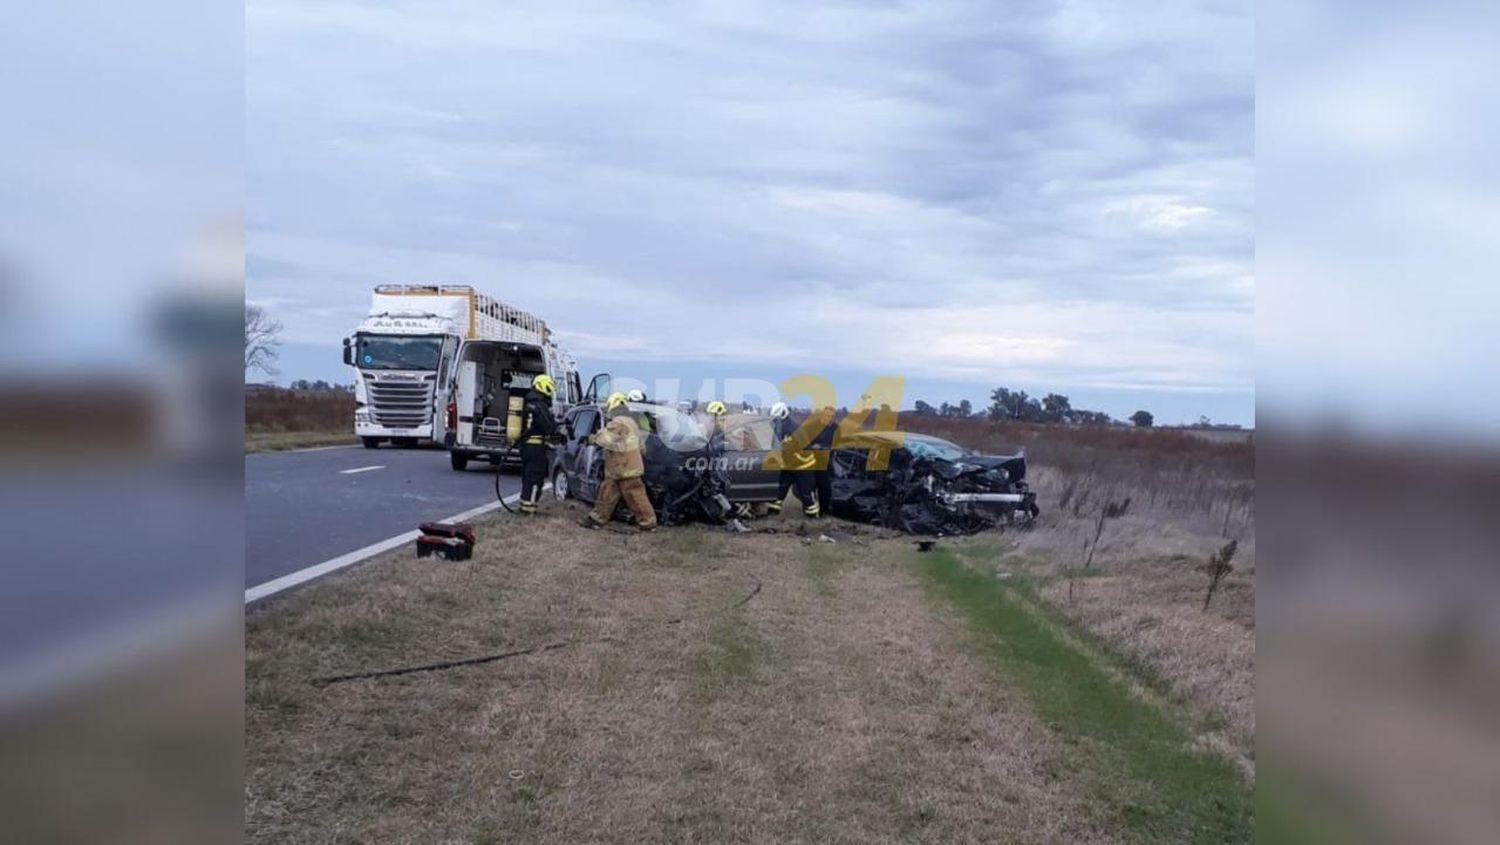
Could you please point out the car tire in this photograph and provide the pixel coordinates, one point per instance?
(458, 461)
(405, 442)
(560, 488)
(370, 442)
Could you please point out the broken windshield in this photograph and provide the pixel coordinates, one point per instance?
(932, 447)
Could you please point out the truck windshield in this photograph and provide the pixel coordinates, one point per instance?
(385, 352)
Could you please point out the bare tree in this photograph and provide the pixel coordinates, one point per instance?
(262, 336)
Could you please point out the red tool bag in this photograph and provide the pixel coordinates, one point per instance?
(452, 540)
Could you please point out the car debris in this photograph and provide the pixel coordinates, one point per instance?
(930, 486)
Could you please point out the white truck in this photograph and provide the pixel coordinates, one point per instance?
(421, 355)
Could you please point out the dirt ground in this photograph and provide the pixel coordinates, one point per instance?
(702, 686)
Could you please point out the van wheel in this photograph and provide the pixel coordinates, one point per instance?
(371, 442)
(560, 489)
(458, 461)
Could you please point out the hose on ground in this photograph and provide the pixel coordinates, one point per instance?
(499, 468)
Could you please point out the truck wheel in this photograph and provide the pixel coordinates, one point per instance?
(371, 442)
(459, 462)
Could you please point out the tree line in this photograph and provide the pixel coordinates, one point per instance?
(1018, 406)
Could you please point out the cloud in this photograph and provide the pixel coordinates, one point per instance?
(1058, 190)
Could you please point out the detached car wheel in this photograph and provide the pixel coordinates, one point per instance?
(458, 462)
(560, 489)
(371, 442)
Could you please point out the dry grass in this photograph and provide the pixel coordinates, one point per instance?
(1143, 594)
(833, 705)
(269, 410)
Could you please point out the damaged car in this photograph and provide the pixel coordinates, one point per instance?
(929, 486)
(690, 475)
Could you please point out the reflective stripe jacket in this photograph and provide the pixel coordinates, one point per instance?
(537, 422)
(623, 448)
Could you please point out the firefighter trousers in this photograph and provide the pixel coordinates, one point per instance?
(633, 491)
(533, 474)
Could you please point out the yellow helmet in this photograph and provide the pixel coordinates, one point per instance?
(544, 384)
(716, 408)
(615, 400)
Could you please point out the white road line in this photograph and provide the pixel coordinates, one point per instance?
(361, 469)
(302, 576)
(308, 449)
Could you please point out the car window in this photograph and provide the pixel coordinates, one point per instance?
(583, 424)
(749, 433)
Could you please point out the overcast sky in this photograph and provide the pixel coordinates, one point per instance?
(1055, 196)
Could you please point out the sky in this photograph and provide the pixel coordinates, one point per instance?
(1048, 196)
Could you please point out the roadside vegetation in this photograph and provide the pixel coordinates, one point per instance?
(697, 685)
(279, 418)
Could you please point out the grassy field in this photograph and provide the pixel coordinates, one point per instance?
(277, 419)
(695, 685)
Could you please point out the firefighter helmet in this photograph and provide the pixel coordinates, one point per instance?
(716, 408)
(636, 395)
(544, 384)
(779, 411)
(616, 400)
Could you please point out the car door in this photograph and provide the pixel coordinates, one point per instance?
(747, 441)
(581, 454)
(566, 453)
(599, 389)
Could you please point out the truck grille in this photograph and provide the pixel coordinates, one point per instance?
(401, 404)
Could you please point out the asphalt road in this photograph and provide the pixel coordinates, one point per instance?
(302, 508)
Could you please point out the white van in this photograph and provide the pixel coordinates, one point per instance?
(490, 380)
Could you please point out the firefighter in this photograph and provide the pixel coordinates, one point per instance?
(624, 465)
(781, 429)
(716, 434)
(798, 468)
(718, 442)
(822, 447)
(537, 427)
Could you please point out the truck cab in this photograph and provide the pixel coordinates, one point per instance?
(399, 363)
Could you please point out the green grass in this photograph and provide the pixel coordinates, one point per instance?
(1138, 759)
(1290, 809)
(278, 441)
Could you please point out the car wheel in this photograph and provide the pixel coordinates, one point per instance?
(560, 489)
(371, 442)
(458, 461)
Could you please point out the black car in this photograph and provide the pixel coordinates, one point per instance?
(929, 485)
(688, 474)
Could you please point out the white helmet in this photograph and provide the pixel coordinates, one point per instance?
(636, 395)
(779, 411)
